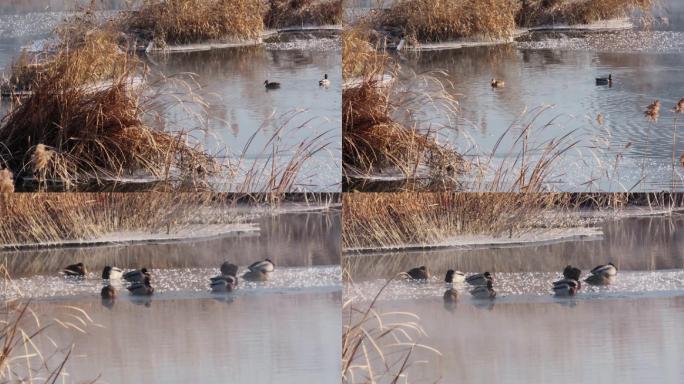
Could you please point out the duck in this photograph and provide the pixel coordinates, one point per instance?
(325, 82)
(108, 292)
(111, 273)
(454, 277)
(77, 269)
(256, 275)
(606, 269)
(497, 83)
(480, 279)
(136, 276)
(570, 272)
(565, 287)
(271, 85)
(450, 296)
(266, 265)
(418, 273)
(605, 80)
(143, 288)
(223, 283)
(599, 279)
(484, 291)
(228, 269)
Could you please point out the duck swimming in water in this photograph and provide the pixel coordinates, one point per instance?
(484, 291)
(265, 265)
(607, 269)
(418, 273)
(141, 288)
(325, 82)
(136, 276)
(565, 287)
(605, 80)
(111, 273)
(223, 283)
(480, 279)
(271, 85)
(256, 275)
(77, 269)
(454, 277)
(497, 83)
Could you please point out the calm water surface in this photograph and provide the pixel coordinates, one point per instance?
(627, 332)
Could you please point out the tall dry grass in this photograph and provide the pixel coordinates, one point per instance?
(23, 331)
(50, 217)
(379, 346)
(373, 138)
(192, 21)
(547, 12)
(287, 13)
(431, 21)
(90, 117)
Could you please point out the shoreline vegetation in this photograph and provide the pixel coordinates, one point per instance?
(425, 22)
(373, 221)
(374, 140)
(79, 219)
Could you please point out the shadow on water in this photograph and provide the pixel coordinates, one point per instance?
(257, 339)
(645, 243)
(289, 239)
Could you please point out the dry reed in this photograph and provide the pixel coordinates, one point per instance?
(547, 12)
(287, 13)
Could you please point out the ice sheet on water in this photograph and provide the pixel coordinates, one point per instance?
(618, 41)
(527, 286)
(176, 283)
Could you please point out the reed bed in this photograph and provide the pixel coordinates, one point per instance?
(406, 218)
(50, 218)
(287, 13)
(431, 21)
(168, 22)
(548, 12)
(380, 346)
(373, 139)
(23, 334)
(92, 116)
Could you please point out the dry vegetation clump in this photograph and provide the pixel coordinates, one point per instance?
(547, 12)
(379, 346)
(87, 118)
(193, 21)
(51, 217)
(6, 181)
(397, 219)
(431, 21)
(286, 13)
(372, 139)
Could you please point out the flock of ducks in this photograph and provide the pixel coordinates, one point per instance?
(483, 283)
(141, 280)
(324, 82)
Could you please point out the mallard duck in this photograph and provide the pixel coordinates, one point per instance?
(265, 265)
(136, 276)
(325, 82)
(450, 295)
(228, 269)
(566, 287)
(108, 292)
(256, 275)
(271, 85)
(570, 272)
(111, 273)
(454, 277)
(141, 288)
(480, 279)
(484, 291)
(418, 273)
(599, 279)
(75, 270)
(223, 283)
(497, 83)
(607, 269)
(605, 80)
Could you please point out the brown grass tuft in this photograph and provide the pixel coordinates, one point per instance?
(286, 13)
(653, 111)
(431, 21)
(6, 181)
(547, 12)
(192, 21)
